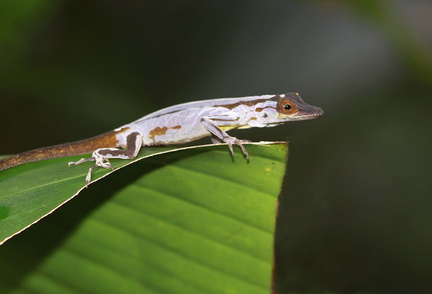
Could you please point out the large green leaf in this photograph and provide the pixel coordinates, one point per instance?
(193, 221)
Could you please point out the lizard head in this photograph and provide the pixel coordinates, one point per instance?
(286, 107)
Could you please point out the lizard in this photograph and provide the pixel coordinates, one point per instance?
(178, 124)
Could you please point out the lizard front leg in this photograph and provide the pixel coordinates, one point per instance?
(221, 135)
(101, 156)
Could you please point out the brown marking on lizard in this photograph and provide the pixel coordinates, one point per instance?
(247, 103)
(158, 131)
(130, 149)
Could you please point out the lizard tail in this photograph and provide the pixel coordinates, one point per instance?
(62, 150)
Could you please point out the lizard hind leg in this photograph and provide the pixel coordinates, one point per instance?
(82, 160)
(100, 161)
(101, 156)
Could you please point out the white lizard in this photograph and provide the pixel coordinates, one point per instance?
(176, 125)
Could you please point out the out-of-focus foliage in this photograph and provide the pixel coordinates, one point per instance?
(413, 50)
(17, 21)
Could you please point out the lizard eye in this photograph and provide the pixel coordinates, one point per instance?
(286, 107)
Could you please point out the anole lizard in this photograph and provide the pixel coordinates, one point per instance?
(179, 124)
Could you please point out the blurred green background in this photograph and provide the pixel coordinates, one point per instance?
(356, 208)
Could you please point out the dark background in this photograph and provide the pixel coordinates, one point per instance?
(356, 207)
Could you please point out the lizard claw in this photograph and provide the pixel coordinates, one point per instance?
(232, 140)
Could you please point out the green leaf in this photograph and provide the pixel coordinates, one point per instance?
(192, 221)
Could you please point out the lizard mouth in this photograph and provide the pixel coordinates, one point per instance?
(310, 112)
